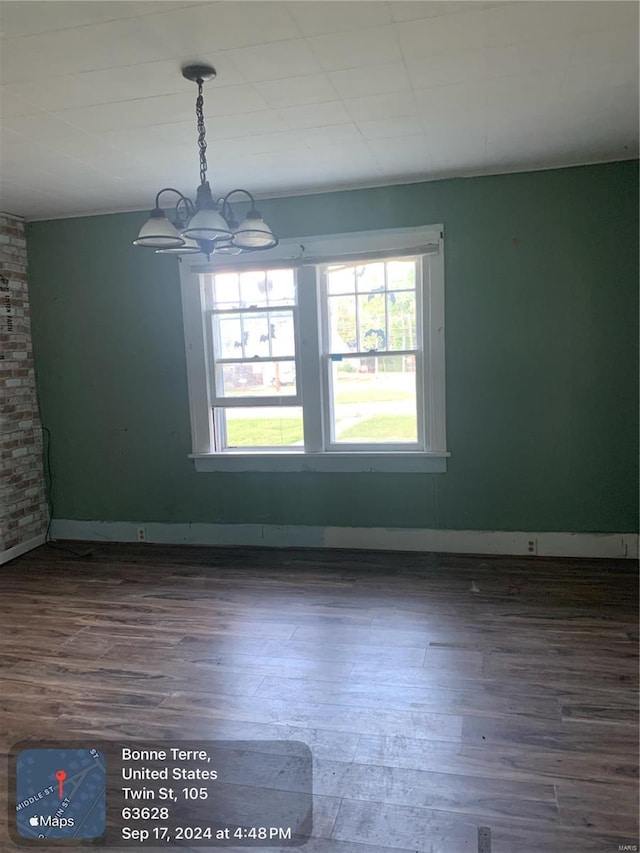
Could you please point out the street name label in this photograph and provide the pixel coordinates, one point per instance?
(163, 794)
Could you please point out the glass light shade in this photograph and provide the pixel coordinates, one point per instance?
(207, 224)
(254, 233)
(227, 248)
(189, 247)
(158, 233)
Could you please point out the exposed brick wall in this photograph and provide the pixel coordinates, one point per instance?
(23, 510)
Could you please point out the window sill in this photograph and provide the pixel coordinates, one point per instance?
(409, 463)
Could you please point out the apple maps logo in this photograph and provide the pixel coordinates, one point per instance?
(51, 820)
(60, 793)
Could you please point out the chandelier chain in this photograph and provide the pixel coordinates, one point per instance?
(202, 142)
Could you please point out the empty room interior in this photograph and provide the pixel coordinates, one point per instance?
(319, 448)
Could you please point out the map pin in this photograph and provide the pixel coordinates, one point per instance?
(60, 776)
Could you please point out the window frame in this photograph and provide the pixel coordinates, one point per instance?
(309, 258)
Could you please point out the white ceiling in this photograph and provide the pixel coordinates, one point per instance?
(309, 95)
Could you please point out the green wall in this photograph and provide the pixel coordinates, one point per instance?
(542, 364)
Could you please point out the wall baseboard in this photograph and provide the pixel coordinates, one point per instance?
(547, 544)
(22, 548)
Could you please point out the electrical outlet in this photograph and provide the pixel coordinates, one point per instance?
(532, 546)
(141, 534)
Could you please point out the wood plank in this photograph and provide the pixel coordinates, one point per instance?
(518, 731)
(196, 658)
(443, 792)
(603, 673)
(613, 714)
(515, 762)
(580, 692)
(362, 693)
(306, 650)
(446, 727)
(126, 679)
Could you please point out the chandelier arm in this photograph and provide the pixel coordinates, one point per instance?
(189, 206)
(173, 190)
(226, 203)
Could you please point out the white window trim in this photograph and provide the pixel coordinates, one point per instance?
(306, 253)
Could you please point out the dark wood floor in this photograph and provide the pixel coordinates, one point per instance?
(439, 694)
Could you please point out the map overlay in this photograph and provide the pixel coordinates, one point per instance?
(60, 793)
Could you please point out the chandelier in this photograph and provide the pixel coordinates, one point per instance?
(205, 226)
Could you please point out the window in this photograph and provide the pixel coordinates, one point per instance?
(321, 354)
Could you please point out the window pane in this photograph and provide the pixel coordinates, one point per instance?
(370, 277)
(343, 336)
(401, 275)
(373, 333)
(281, 333)
(256, 328)
(253, 288)
(281, 288)
(262, 379)
(264, 427)
(270, 287)
(341, 279)
(249, 334)
(374, 400)
(402, 320)
(226, 293)
(229, 336)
